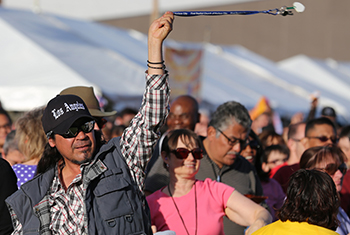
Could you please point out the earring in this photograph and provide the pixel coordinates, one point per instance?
(167, 165)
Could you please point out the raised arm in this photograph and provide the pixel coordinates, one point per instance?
(157, 32)
(138, 139)
(245, 212)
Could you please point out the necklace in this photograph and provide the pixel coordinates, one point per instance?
(178, 211)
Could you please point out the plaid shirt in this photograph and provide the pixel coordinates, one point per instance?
(66, 207)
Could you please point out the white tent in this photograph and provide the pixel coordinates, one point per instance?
(29, 74)
(258, 75)
(333, 85)
(45, 54)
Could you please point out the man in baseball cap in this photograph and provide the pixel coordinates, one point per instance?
(62, 112)
(85, 186)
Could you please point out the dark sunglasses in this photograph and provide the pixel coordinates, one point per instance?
(324, 138)
(182, 153)
(234, 140)
(73, 131)
(332, 168)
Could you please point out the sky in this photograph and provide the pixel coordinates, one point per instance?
(107, 9)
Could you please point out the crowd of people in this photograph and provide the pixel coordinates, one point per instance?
(171, 168)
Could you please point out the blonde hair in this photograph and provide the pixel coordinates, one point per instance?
(30, 134)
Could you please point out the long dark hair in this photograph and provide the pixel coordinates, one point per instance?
(263, 176)
(51, 155)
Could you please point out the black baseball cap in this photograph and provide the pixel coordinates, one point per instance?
(328, 111)
(61, 112)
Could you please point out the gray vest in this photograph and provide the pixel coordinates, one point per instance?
(114, 204)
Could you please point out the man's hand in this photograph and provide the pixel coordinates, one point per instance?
(157, 32)
(161, 27)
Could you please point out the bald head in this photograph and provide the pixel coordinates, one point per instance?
(183, 113)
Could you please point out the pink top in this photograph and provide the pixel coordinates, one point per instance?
(212, 197)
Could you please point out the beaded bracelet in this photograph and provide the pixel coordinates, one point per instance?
(163, 67)
(155, 62)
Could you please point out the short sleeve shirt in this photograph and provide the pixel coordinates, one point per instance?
(212, 197)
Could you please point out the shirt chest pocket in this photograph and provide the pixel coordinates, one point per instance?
(112, 197)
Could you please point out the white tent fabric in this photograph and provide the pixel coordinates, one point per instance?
(242, 76)
(343, 67)
(22, 72)
(333, 86)
(45, 54)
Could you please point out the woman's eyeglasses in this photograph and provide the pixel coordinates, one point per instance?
(182, 153)
(73, 131)
(332, 168)
(324, 138)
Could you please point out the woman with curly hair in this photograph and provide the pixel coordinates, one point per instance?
(311, 206)
(329, 159)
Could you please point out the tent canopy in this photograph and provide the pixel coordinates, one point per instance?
(44, 54)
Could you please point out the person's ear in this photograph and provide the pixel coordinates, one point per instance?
(211, 132)
(165, 157)
(265, 167)
(52, 143)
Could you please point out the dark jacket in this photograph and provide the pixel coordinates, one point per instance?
(114, 204)
(8, 186)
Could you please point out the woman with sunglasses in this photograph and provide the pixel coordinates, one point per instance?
(329, 159)
(189, 206)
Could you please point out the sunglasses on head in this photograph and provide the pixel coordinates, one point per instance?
(332, 168)
(324, 138)
(73, 131)
(182, 153)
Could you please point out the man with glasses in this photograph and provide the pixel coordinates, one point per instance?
(5, 127)
(319, 132)
(227, 135)
(85, 186)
